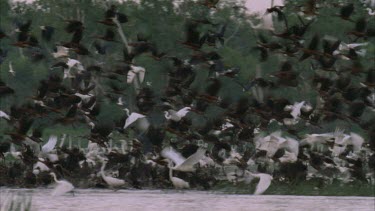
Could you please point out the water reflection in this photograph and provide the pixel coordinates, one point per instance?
(93, 199)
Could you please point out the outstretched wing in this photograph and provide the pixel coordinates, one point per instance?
(50, 144)
(264, 183)
(173, 155)
(183, 112)
(194, 158)
(132, 118)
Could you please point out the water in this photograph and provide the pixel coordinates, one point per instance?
(129, 200)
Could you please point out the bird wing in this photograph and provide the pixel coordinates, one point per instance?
(173, 155)
(183, 112)
(62, 188)
(264, 183)
(296, 112)
(130, 77)
(72, 62)
(4, 115)
(50, 144)
(132, 118)
(194, 158)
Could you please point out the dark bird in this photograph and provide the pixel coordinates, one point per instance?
(194, 40)
(312, 48)
(346, 11)
(108, 36)
(210, 3)
(4, 89)
(47, 32)
(73, 26)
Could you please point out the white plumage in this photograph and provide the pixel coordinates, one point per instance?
(263, 184)
(50, 145)
(176, 115)
(132, 118)
(74, 63)
(111, 181)
(4, 115)
(11, 71)
(62, 187)
(61, 52)
(134, 71)
(181, 163)
(177, 182)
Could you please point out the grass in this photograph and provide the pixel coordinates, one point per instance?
(306, 188)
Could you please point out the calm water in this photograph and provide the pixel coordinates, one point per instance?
(108, 200)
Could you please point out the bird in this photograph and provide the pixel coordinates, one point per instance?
(62, 187)
(4, 115)
(346, 11)
(181, 163)
(176, 115)
(135, 71)
(263, 184)
(133, 117)
(370, 11)
(177, 182)
(111, 181)
(11, 71)
(61, 52)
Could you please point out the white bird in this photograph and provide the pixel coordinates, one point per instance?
(83, 96)
(133, 117)
(40, 167)
(11, 71)
(263, 184)
(295, 109)
(370, 11)
(50, 145)
(134, 71)
(346, 47)
(62, 187)
(61, 52)
(120, 102)
(4, 115)
(111, 181)
(177, 182)
(74, 63)
(176, 116)
(181, 163)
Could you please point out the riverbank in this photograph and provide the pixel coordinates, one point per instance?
(306, 188)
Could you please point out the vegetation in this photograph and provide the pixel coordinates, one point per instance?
(223, 90)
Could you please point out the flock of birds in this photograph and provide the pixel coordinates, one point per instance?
(233, 145)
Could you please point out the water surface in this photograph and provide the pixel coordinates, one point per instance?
(108, 200)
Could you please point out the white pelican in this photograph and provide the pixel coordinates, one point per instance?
(176, 115)
(181, 163)
(62, 187)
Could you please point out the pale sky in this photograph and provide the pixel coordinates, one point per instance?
(252, 5)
